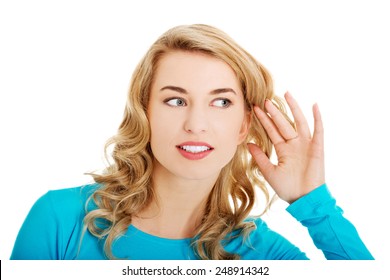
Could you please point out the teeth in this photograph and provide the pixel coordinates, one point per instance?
(195, 149)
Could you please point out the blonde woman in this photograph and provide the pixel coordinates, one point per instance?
(199, 126)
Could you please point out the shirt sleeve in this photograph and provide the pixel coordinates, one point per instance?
(37, 238)
(330, 230)
(52, 228)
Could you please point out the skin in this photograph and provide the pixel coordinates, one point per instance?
(196, 97)
(300, 168)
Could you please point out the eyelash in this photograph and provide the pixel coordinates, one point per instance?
(174, 98)
(229, 103)
(224, 100)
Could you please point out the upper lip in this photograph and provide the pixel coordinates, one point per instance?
(193, 143)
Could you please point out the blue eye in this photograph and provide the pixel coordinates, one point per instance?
(175, 102)
(223, 103)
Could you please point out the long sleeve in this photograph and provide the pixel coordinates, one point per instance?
(331, 232)
(52, 228)
(37, 238)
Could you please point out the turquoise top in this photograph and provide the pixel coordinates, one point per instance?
(54, 225)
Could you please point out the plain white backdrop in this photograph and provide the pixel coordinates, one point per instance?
(65, 68)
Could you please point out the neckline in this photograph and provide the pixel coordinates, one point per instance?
(133, 230)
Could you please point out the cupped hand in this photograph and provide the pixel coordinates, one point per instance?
(300, 155)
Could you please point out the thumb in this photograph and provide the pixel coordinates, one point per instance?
(265, 165)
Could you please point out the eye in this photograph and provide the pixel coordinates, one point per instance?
(223, 103)
(175, 102)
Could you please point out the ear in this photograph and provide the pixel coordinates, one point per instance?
(246, 124)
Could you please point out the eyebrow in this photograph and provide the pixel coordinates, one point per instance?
(183, 91)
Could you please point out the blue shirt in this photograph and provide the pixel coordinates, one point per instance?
(53, 230)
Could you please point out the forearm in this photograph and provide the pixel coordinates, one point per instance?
(331, 232)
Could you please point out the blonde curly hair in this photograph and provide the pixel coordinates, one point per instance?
(126, 183)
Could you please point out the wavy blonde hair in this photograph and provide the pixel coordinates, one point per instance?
(126, 183)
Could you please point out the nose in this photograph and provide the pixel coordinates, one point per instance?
(196, 121)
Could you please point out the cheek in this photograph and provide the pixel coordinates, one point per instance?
(159, 131)
(230, 129)
(233, 125)
(157, 120)
(159, 140)
(163, 130)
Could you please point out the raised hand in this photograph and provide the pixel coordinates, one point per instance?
(300, 167)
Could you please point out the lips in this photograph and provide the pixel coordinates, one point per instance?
(194, 150)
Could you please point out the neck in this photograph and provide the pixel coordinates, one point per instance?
(179, 206)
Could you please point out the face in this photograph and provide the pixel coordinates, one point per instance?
(197, 115)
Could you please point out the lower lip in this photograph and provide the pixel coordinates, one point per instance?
(194, 156)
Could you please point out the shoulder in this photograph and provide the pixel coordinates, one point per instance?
(263, 243)
(258, 225)
(52, 228)
(260, 229)
(71, 196)
(65, 203)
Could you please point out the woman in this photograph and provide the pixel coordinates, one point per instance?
(200, 123)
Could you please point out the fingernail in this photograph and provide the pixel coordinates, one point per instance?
(270, 103)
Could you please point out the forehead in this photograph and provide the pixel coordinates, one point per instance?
(194, 67)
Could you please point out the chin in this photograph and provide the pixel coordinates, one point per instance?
(198, 174)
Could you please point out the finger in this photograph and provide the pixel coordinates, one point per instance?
(265, 166)
(286, 130)
(318, 135)
(269, 126)
(299, 117)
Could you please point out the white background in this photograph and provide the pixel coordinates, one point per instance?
(65, 68)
